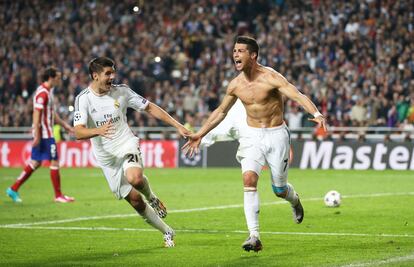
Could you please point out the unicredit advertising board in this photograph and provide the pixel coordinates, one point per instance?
(159, 154)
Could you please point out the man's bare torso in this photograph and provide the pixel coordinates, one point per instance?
(263, 102)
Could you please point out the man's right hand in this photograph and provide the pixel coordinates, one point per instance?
(107, 130)
(192, 146)
(184, 132)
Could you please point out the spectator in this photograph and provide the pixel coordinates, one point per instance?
(358, 113)
(171, 48)
(362, 138)
(294, 118)
(403, 105)
(407, 138)
(189, 122)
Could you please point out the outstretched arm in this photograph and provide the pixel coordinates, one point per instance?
(290, 91)
(161, 114)
(213, 120)
(217, 115)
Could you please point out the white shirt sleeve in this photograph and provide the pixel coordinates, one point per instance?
(136, 101)
(81, 111)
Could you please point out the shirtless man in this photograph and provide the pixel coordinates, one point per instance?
(266, 137)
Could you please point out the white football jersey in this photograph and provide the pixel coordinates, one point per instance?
(230, 128)
(93, 111)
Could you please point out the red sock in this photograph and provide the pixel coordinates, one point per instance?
(28, 170)
(55, 177)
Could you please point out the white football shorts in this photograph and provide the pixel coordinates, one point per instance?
(259, 146)
(115, 172)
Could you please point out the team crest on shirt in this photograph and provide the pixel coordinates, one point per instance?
(116, 104)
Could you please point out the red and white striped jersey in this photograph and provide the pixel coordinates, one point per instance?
(43, 101)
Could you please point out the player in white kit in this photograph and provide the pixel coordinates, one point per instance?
(100, 114)
(265, 138)
(230, 128)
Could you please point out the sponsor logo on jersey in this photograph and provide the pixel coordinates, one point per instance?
(108, 120)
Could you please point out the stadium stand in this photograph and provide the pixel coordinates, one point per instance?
(354, 59)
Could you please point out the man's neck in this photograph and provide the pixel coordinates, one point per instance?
(251, 71)
(96, 90)
(47, 85)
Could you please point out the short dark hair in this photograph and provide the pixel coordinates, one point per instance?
(98, 64)
(251, 43)
(48, 73)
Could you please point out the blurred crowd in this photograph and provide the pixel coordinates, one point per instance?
(354, 59)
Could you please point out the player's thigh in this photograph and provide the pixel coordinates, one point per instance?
(251, 149)
(114, 175)
(278, 161)
(133, 166)
(45, 150)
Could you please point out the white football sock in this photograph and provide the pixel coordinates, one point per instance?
(152, 219)
(291, 195)
(146, 189)
(251, 210)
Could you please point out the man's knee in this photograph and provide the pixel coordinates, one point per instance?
(280, 191)
(135, 177)
(137, 181)
(250, 179)
(35, 164)
(54, 164)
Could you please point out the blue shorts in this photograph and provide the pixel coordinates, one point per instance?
(45, 150)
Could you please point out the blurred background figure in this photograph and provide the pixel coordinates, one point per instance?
(44, 144)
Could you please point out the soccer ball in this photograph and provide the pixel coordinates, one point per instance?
(332, 199)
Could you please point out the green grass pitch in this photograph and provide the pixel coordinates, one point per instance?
(374, 226)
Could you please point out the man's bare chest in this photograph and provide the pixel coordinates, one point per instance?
(255, 92)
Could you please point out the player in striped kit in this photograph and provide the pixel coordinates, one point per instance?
(44, 146)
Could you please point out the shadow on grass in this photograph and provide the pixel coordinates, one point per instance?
(120, 257)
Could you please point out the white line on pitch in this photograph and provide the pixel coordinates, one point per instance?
(382, 262)
(76, 228)
(192, 210)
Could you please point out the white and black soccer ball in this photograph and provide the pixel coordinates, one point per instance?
(332, 199)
